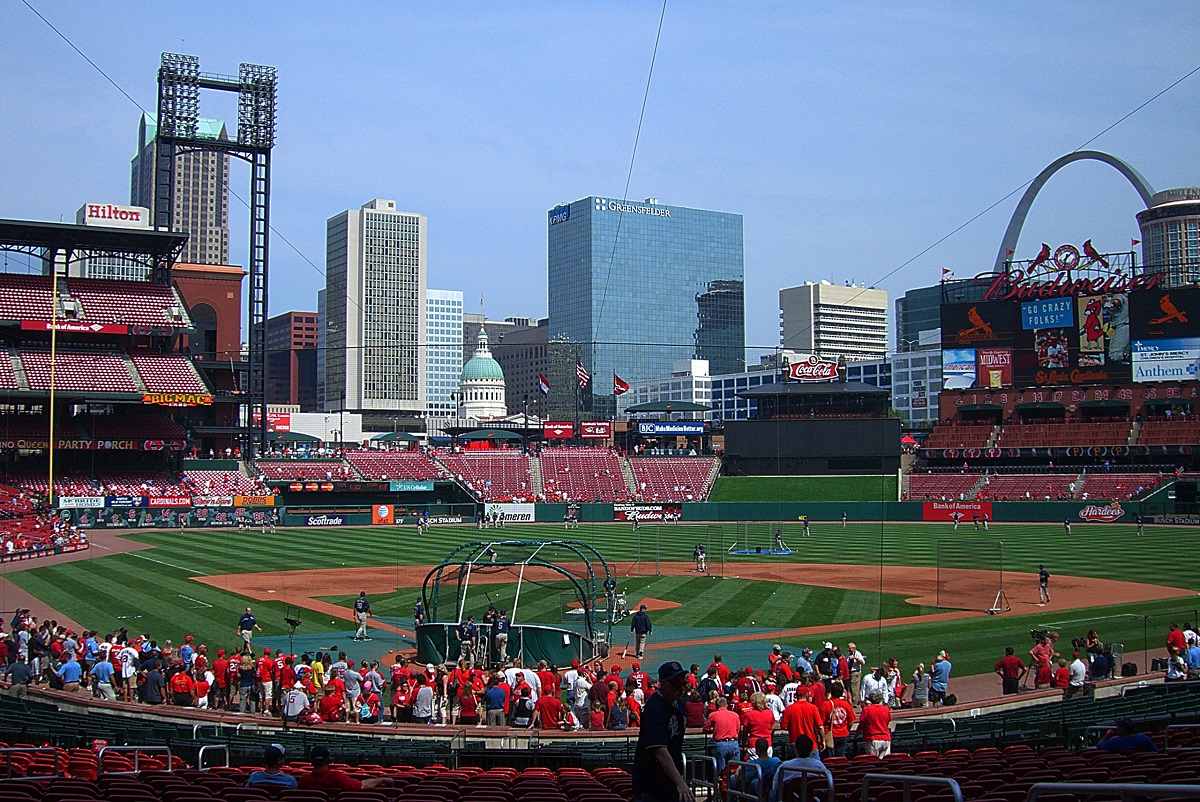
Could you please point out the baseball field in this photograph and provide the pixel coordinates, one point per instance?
(905, 590)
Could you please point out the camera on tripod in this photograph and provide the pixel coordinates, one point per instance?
(1039, 634)
(1079, 644)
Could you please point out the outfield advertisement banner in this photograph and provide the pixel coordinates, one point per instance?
(383, 514)
(323, 520)
(410, 486)
(80, 502)
(144, 517)
(513, 513)
(1176, 520)
(169, 501)
(213, 501)
(254, 501)
(949, 510)
(647, 512)
(672, 427)
(1102, 513)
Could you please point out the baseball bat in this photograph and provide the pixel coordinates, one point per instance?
(625, 651)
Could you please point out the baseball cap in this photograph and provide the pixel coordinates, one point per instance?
(298, 685)
(188, 638)
(671, 671)
(367, 685)
(642, 607)
(942, 654)
(828, 645)
(806, 650)
(266, 651)
(776, 648)
(273, 752)
(429, 667)
(319, 753)
(637, 666)
(220, 652)
(574, 664)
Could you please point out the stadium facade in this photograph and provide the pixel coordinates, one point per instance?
(375, 284)
(640, 286)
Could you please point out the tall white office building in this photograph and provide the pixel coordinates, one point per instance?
(443, 351)
(834, 321)
(375, 297)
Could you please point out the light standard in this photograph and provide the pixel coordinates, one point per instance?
(525, 422)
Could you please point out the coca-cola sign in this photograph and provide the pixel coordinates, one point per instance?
(1094, 512)
(813, 369)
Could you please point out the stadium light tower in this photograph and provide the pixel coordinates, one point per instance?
(179, 85)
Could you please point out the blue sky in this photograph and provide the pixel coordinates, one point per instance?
(851, 136)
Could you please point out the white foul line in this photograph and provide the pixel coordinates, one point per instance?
(189, 598)
(160, 562)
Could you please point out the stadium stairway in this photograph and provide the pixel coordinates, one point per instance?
(631, 484)
(1135, 432)
(132, 370)
(18, 369)
(535, 476)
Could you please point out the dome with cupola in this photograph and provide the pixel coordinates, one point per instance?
(482, 383)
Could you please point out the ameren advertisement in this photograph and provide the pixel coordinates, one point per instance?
(513, 513)
(647, 512)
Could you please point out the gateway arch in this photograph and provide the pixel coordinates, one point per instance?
(1013, 232)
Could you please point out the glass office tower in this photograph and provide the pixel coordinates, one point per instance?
(640, 286)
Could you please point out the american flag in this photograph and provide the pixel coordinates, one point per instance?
(581, 373)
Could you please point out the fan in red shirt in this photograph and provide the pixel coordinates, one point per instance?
(1176, 641)
(640, 678)
(802, 717)
(331, 707)
(841, 716)
(547, 712)
(221, 676)
(1010, 670)
(722, 669)
(874, 726)
(758, 721)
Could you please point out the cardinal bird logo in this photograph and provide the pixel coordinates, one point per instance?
(1090, 252)
(1170, 312)
(1093, 327)
(1042, 257)
(980, 329)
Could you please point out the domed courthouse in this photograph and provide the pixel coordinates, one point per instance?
(482, 384)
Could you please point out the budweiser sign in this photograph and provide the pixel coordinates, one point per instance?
(1094, 512)
(813, 369)
(1018, 285)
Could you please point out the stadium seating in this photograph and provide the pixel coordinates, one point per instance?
(291, 470)
(114, 483)
(79, 371)
(168, 373)
(582, 474)
(960, 435)
(8, 379)
(381, 465)
(672, 478)
(24, 297)
(1044, 435)
(944, 486)
(1164, 432)
(119, 426)
(28, 427)
(1013, 487)
(1117, 486)
(220, 483)
(132, 302)
(493, 474)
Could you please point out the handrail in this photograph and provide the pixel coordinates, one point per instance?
(137, 751)
(214, 747)
(26, 749)
(803, 774)
(908, 781)
(1127, 791)
(217, 726)
(739, 781)
(1175, 728)
(692, 774)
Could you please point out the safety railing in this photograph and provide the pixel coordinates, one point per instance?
(137, 751)
(786, 777)
(209, 749)
(700, 774)
(25, 750)
(1125, 791)
(218, 729)
(907, 781)
(745, 782)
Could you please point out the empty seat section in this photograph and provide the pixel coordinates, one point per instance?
(220, 483)
(1013, 487)
(119, 426)
(959, 436)
(168, 373)
(1041, 435)
(582, 474)
(132, 302)
(944, 486)
(499, 475)
(1118, 486)
(672, 478)
(394, 465)
(25, 297)
(89, 372)
(1176, 431)
(286, 470)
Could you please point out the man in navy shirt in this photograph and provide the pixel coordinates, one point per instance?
(468, 637)
(271, 774)
(501, 626)
(658, 761)
(246, 626)
(362, 609)
(640, 626)
(1126, 738)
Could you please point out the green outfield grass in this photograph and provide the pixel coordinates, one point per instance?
(804, 488)
(152, 590)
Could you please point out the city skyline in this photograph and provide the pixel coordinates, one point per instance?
(895, 127)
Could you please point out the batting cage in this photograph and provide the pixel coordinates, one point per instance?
(491, 574)
(961, 584)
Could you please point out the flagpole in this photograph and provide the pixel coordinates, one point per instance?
(578, 390)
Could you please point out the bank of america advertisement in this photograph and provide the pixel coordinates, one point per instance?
(1176, 359)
